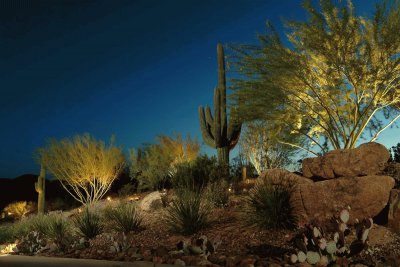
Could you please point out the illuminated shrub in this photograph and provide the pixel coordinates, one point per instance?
(19, 209)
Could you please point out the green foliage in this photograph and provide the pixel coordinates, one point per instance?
(268, 204)
(127, 190)
(88, 224)
(188, 213)
(337, 79)
(259, 144)
(154, 164)
(123, 218)
(59, 231)
(215, 130)
(41, 223)
(7, 234)
(22, 227)
(238, 163)
(217, 193)
(395, 153)
(198, 173)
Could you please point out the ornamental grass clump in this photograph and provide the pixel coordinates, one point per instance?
(189, 212)
(125, 217)
(88, 224)
(268, 204)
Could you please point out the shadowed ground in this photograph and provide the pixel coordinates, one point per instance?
(34, 261)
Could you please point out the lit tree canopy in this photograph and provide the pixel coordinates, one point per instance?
(259, 143)
(153, 164)
(85, 166)
(337, 79)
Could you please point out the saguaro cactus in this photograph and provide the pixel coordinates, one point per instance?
(40, 188)
(215, 130)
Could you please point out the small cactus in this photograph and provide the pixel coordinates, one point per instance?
(301, 256)
(313, 257)
(315, 247)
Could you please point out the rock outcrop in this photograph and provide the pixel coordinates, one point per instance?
(151, 202)
(342, 178)
(277, 175)
(367, 159)
(366, 195)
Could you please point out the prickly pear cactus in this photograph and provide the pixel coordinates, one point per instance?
(199, 246)
(32, 243)
(319, 248)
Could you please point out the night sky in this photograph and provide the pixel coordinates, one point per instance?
(131, 68)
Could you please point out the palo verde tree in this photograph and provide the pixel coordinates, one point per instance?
(336, 80)
(154, 164)
(85, 167)
(259, 144)
(215, 130)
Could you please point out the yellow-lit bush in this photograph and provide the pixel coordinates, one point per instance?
(18, 209)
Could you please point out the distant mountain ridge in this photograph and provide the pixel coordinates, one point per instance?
(22, 188)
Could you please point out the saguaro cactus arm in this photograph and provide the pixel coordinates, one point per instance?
(206, 128)
(215, 130)
(40, 187)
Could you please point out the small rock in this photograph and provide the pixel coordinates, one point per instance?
(196, 250)
(179, 262)
(157, 260)
(217, 259)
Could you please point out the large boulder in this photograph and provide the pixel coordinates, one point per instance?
(394, 211)
(367, 159)
(151, 202)
(320, 201)
(279, 175)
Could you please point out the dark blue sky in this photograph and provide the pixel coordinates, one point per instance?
(131, 68)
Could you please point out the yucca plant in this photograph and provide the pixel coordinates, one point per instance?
(88, 224)
(60, 231)
(41, 223)
(268, 204)
(123, 218)
(189, 212)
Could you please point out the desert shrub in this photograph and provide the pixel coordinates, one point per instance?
(59, 230)
(268, 204)
(88, 224)
(19, 209)
(6, 234)
(127, 190)
(198, 173)
(123, 218)
(188, 213)
(41, 223)
(22, 227)
(217, 193)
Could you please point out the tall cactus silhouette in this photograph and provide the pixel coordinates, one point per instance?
(215, 130)
(40, 188)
